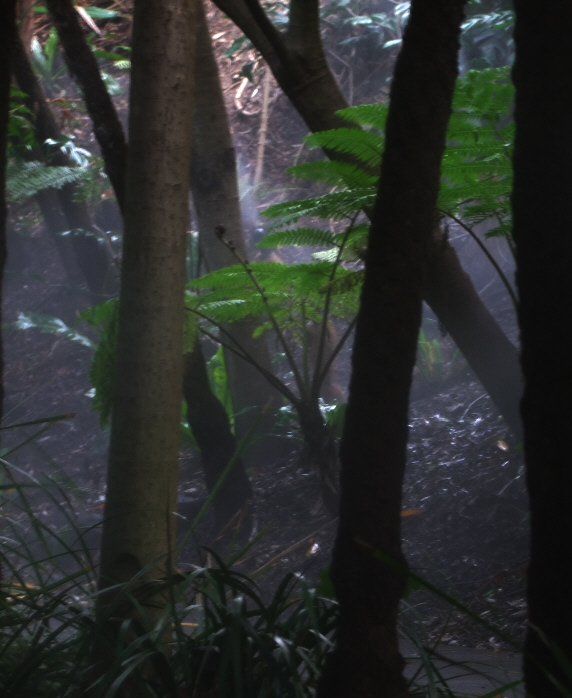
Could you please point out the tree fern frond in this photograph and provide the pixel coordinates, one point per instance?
(26, 179)
(105, 318)
(374, 115)
(335, 173)
(298, 237)
(335, 205)
(364, 146)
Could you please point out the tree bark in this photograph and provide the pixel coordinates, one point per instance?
(210, 425)
(114, 149)
(366, 660)
(543, 235)
(139, 526)
(214, 186)
(7, 38)
(83, 67)
(299, 64)
(91, 256)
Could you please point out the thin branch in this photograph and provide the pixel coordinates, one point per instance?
(241, 352)
(289, 356)
(319, 374)
(489, 256)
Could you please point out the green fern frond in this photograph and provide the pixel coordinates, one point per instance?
(336, 205)
(298, 237)
(374, 115)
(104, 317)
(334, 173)
(26, 179)
(363, 146)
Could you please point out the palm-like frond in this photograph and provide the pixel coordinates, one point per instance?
(299, 237)
(26, 179)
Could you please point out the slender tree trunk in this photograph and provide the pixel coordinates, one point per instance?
(91, 256)
(139, 526)
(214, 185)
(25, 19)
(543, 234)
(83, 67)
(210, 424)
(298, 62)
(366, 660)
(114, 150)
(7, 38)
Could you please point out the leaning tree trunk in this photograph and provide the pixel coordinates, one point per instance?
(209, 422)
(91, 256)
(543, 235)
(214, 184)
(299, 64)
(7, 38)
(139, 526)
(368, 568)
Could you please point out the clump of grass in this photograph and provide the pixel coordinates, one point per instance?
(217, 631)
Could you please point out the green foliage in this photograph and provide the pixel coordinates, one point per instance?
(222, 634)
(476, 170)
(370, 31)
(218, 634)
(218, 379)
(104, 317)
(21, 137)
(476, 181)
(486, 37)
(44, 58)
(477, 165)
(285, 291)
(26, 179)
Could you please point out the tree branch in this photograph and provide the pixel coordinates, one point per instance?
(83, 66)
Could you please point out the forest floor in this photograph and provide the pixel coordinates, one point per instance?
(465, 508)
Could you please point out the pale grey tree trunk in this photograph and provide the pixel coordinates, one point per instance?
(139, 525)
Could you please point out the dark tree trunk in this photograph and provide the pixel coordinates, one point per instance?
(7, 38)
(211, 428)
(543, 235)
(83, 67)
(366, 660)
(299, 64)
(91, 256)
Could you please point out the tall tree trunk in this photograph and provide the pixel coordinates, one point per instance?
(114, 150)
(543, 234)
(7, 38)
(366, 660)
(214, 185)
(139, 525)
(298, 62)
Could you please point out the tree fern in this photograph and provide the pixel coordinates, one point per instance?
(476, 181)
(26, 179)
(476, 169)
